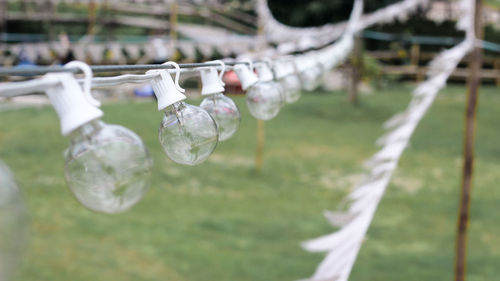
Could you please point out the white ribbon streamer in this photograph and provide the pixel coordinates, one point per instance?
(277, 32)
(343, 245)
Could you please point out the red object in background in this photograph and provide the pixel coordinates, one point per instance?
(233, 84)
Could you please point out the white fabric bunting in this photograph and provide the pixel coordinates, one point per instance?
(316, 36)
(343, 245)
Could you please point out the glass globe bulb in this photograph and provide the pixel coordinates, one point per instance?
(225, 113)
(264, 100)
(282, 93)
(188, 134)
(13, 224)
(311, 78)
(107, 167)
(292, 85)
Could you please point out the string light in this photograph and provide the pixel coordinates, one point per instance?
(266, 97)
(188, 134)
(354, 231)
(223, 109)
(288, 79)
(107, 167)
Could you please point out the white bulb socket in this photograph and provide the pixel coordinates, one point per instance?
(210, 80)
(246, 75)
(265, 73)
(165, 89)
(69, 101)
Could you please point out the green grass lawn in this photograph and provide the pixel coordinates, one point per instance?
(223, 221)
(493, 3)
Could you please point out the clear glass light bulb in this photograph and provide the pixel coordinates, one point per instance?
(282, 93)
(292, 85)
(311, 78)
(225, 113)
(264, 100)
(107, 167)
(13, 224)
(188, 134)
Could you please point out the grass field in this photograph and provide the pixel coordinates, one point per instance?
(493, 3)
(223, 221)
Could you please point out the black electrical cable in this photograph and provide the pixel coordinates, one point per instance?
(40, 70)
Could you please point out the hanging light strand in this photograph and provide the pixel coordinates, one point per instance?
(39, 85)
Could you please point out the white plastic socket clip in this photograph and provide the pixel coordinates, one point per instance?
(166, 90)
(87, 82)
(74, 106)
(264, 71)
(211, 80)
(245, 74)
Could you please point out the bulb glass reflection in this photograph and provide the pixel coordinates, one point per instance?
(13, 226)
(188, 134)
(292, 86)
(265, 99)
(225, 113)
(107, 167)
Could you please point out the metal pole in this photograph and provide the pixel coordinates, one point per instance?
(40, 70)
(474, 83)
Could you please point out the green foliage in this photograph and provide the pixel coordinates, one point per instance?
(371, 69)
(310, 13)
(198, 55)
(318, 12)
(493, 3)
(223, 221)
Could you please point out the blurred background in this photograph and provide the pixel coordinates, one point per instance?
(38, 32)
(232, 218)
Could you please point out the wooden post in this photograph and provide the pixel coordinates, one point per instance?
(496, 66)
(356, 66)
(92, 17)
(105, 11)
(173, 20)
(474, 83)
(3, 13)
(259, 152)
(415, 61)
(50, 6)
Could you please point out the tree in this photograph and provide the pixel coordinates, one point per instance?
(318, 12)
